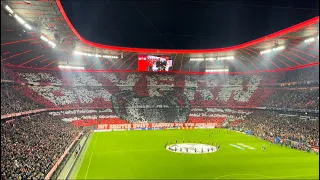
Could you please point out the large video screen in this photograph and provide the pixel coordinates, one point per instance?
(154, 63)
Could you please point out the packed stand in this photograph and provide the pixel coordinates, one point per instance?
(3, 75)
(87, 90)
(302, 75)
(295, 99)
(96, 89)
(293, 130)
(14, 102)
(88, 117)
(170, 107)
(30, 146)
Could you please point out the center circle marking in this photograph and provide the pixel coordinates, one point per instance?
(191, 148)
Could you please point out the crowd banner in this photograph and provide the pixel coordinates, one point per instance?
(7, 116)
(153, 126)
(5, 80)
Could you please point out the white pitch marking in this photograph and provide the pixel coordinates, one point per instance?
(94, 145)
(191, 148)
(269, 177)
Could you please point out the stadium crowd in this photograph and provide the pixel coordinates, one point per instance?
(30, 146)
(294, 131)
(89, 90)
(301, 75)
(295, 99)
(169, 107)
(13, 101)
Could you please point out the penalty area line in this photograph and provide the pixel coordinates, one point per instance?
(132, 150)
(237, 146)
(256, 175)
(264, 176)
(246, 146)
(94, 145)
(313, 175)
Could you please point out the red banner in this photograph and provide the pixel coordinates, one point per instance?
(156, 125)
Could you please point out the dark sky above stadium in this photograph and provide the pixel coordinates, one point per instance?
(184, 24)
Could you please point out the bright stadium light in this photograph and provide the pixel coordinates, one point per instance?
(278, 48)
(96, 55)
(196, 59)
(27, 26)
(310, 40)
(19, 19)
(272, 50)
(44, 38)
(217, 70)
(111, 57)
(71, 67)
(77, 53)
(211, 59)
(52, 44)
(226, 58)
(265, 51)
(8, 8)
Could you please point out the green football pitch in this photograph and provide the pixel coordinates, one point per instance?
(142, 155)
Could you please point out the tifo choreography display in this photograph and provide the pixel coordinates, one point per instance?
(75, 109)
(149, 101)
(101, 89)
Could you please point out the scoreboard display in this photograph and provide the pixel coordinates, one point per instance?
(154, 63)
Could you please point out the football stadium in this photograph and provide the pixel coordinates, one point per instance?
(73, 107)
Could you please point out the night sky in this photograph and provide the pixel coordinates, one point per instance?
(184, 24)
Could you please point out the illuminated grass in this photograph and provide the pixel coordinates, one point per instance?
(141, 155)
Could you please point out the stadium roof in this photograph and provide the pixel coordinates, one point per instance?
(23, 47)
(184, 24)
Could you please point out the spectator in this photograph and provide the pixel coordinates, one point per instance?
(30, 146)
(13, 102)
(293, 130)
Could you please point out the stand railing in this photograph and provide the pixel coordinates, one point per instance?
(48, 176)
